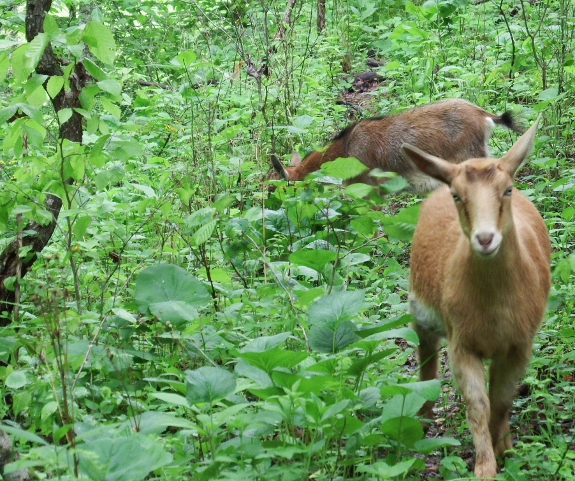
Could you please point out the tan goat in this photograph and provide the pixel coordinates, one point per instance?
(480, 275)
(454, 129)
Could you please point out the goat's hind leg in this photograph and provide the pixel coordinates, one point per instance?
(428, 359)
(504, 374)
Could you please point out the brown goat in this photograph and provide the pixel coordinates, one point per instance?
(480, 275)
(454, 129)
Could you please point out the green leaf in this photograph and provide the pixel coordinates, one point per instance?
(100, 41)
(152, 422)
(209, 384)
(170, 293)
(364, 225)
(51, 26)
(36, 49)
(315, 259)
(64, 115)
(426, 446)
(54, 85)
(271, 359)
(330, 310)
(184, 59)
(403, 429)
(384, 471)
(110, 107)
(111, 86)
(94, 70)
(327, 339)
(359, 366)
(23, 435)
(358, 190)
(264, 343)
(203, 234)
(80, 226)
(121, 459)
(428, 390)
(4, 64)
(19, 63)
(171, 398)
(303, 121)
(17, 379)
(344, 168)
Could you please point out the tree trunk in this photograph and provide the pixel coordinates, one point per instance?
(286, 20)
(71, 130)
(320, 15)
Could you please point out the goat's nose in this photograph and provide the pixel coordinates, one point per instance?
(484, 239)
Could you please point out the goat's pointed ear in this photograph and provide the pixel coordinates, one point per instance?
(429, 164)
(513, 159)
(278, 167)
(295, 159)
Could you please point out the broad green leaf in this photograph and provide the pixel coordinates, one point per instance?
(264, 343)
(7, 112)
(364, 225)
(64, 115)
(315, 384)
(19, 63)
(80, 226)
(203, 234)
(170, 293)
(36, 49)
(384, 471)
(303, 121)
(429, 390)
(17, 379)
(121, 459)
(112, 175)
(152, 422)
(184, 59)
(110, 107)
(360, 365)
(54, 85)
(315, 259)
(344, 168)
(48, 409)
(111, 86)
(406, 403)
(426, 446)
(548, 94)
(209, 384)
(254, 373)
(403, 429)
(23, 435)
(328, 339)
(51, 26)
(171, 398)
(330, 310)
(100, 41)
(273, 358)
(94, 70)
(4, 64)
(358, 190)
(353, 259)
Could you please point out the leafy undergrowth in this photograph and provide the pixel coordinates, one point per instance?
(184, 323)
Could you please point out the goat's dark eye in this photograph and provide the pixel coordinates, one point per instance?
(456, 198)
(508, 191)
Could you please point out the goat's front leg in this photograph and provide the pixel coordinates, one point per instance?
(504, 373)
(469, 375)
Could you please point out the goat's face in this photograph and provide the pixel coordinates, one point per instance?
(482, 194)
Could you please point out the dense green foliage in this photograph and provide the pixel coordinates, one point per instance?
(188, 324)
